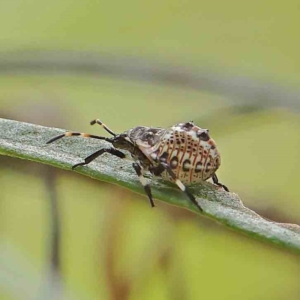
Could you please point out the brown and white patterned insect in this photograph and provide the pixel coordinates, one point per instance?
(184, 154)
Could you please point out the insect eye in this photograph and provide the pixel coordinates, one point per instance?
(203, 135)
(149, 134)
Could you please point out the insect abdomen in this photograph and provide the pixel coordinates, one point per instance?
(191, 159)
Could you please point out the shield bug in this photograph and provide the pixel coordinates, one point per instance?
(184, 154)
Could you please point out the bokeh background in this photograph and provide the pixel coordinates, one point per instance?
(154, 61)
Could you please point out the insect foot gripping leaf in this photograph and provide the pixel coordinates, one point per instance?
(184, 154)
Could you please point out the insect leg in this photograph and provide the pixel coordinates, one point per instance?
(162, 166)
(180, 184)
(138, 170)
(94, 155)
(216, 181)
(97, 121)
(69, 133)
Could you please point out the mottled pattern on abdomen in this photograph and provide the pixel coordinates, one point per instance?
(191, 159)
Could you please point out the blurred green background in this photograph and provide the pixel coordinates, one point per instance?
(112, 245)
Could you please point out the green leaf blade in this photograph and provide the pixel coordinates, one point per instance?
(28, 141)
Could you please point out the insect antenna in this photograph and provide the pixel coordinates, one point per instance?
(97, 121)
